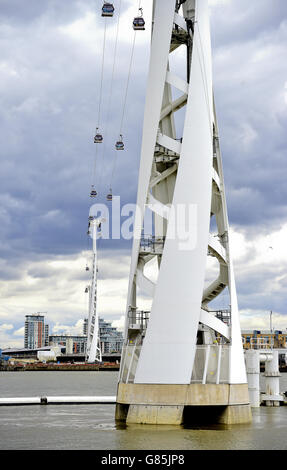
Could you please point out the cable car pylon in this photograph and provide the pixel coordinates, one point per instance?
(180, 354)
(93, 351)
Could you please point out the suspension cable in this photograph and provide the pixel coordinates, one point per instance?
(124, 107)
(100, 104)
(102, 73)
(111, 88)
(127, 86)
(204, 75)
(125, 98)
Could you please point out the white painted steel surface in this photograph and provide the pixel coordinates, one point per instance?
(252, 358)
(272, 395)
(167, 349)
(93, 335)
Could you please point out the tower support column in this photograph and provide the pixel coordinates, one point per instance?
(175, 404)
(182, 360)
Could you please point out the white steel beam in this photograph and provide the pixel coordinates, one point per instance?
(93, 352)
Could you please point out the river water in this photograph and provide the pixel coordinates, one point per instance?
(92, 427)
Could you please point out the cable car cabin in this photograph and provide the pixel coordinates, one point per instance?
(93, 193)
(119, 144)
(108, 9)
(109, 197)
(139, 23)
(98, 139)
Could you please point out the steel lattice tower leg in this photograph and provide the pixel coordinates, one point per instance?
(93, 352)
(181, 354)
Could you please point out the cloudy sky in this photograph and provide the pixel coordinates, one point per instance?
(50, 80)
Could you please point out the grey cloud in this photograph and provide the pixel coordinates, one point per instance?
(49, 87)
(244, 20)
(26, 12)
(48, 125)
(249, 89)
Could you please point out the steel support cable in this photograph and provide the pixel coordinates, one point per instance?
(102, 73)
(129, 74)
(111, 88)
(100, 100)
(124, 104)
(94, 166)
(204, 76)
(127, 86)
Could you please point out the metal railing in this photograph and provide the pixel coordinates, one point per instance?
(138, 318)
(152, 244)
(211, 364)
(129, 362)
(224, 316)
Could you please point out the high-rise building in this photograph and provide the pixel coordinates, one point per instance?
(85, 327)
(46, 335)
(111, 340)
(69, 344)
(36, 331)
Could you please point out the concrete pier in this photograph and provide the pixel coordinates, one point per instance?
(169, 404)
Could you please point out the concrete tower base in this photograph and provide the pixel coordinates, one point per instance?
(176, 404)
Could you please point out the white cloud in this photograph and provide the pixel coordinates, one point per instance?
(57, 286)
(19, 332)
(218, 2)
(6, 337)
(7, 70)
(6, 327)
(119, 324)
(258, 319)
(247, 135)
(76, 329)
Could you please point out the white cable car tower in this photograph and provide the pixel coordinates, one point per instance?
(93, 352)
(181, 354)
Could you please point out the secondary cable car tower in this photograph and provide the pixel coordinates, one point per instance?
(93, 352)
(181, 354)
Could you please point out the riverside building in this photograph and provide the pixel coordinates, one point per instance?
(111, 340)
(36, 331)
(267, 339)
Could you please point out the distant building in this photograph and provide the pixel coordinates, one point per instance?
(258, 339)
(85, 327)
(111, 339)
(69, 344)
(36, 332)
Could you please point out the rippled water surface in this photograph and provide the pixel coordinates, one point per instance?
(93, 426)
